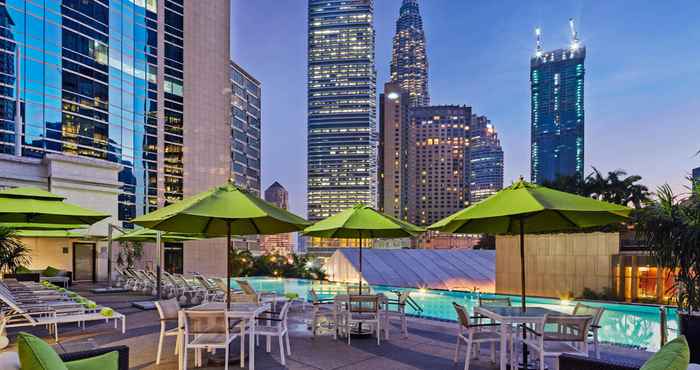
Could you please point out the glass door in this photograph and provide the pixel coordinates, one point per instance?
(84, 261)
(172, 253)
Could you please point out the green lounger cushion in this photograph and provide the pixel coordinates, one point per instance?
(675, 355)
(35, 354)
(50, 271)
(107, 312)
(108, 361)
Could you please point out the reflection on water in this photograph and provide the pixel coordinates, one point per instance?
(629, 325)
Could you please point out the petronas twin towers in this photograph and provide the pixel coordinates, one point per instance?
(409, 62)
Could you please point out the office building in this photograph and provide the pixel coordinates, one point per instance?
(485, 160)
(409, 60)
(279, 243)
(696, 175)
(393, 150)
(245, 126)
(133, 83)
(438, 162)
(342, 138)
(557, 111)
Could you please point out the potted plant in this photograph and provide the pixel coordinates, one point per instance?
(670, 226)
(13, 253)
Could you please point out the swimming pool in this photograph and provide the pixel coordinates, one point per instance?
(623, 324)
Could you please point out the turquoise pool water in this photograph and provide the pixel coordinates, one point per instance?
(624, 324)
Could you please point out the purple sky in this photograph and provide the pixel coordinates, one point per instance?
(642, 77)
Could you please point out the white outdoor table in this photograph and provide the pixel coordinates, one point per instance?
(341, 300)
(242, 311)
(507, 317)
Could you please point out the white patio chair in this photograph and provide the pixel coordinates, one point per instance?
(168, 311)
(207, 330)
(473, 334)
(396, 309)
(554, 335)
(213, 293)
(597, 314)
(275, 325)
(322, 310)
(363, 310)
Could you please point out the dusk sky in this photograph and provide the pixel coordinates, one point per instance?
(642, 93)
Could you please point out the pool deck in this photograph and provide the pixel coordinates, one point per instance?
(430, 344)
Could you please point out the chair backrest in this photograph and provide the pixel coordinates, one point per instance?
(313, 296)
(355, 290)
(363, 304)
(283, 313)
(204, 282)
(462, 315)
(170, 279)
(168, 309)
(246, 287)
(566, 328)
(585, 310)
(205, 322)
(495, 301)
(183, 281)
(403, 297)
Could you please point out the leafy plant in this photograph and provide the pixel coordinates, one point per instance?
(670, 226)
(616, 187)
(129, 253)
(13, 253)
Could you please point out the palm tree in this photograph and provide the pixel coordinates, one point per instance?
(13, 253)
(616, 188)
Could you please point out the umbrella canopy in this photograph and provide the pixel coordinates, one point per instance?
(528, 208)
(31, 205)
(40, 226)
(213, 212)
(223, 211)
(362, 222)
(149, 235)
(48, 234)
(542, 209)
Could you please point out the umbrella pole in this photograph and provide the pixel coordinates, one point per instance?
(109, 255)
(360, 275)
(158, 268)
(522, 286)
(228, 265)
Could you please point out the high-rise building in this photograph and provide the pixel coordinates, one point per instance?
(342, 138)
(409, 60)
(245, 126)
(485, 160)
(696, 175)
(393, 150)
(557, 111)
(279, 243)
(128, 82)
(438, 162)
(112, 80)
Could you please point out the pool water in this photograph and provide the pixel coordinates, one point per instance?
(624, 324)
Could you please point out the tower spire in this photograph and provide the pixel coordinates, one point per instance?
(575, 43)
(538, 35)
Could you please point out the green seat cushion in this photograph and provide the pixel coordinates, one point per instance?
(50, 271)
(22, 270)
(35, 354)
(108, 361)
(675, 355)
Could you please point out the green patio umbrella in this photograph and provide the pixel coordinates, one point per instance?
(154, 236)
(32, 205)
(40, 226)
(528, 208)
(223, 211)
(362, 222)
(35, 233)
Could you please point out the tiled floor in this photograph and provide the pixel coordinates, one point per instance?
(430, 344)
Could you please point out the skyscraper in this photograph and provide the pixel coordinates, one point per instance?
(342, 138)
(113, 80)
(279, 243)
(409, 60)
(485, 160)
(393, 150)
(438, 162)
(557, 111)
(245, 125)
(696, 175)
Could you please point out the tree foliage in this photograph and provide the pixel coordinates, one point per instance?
(670, 227)
(129, 254)
(13, 253)
(243, 263)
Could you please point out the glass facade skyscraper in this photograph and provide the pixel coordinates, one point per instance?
(557, 113)
(90, 78)
(342, 137)
(409, 61)
(485, 160)
(245, 128)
